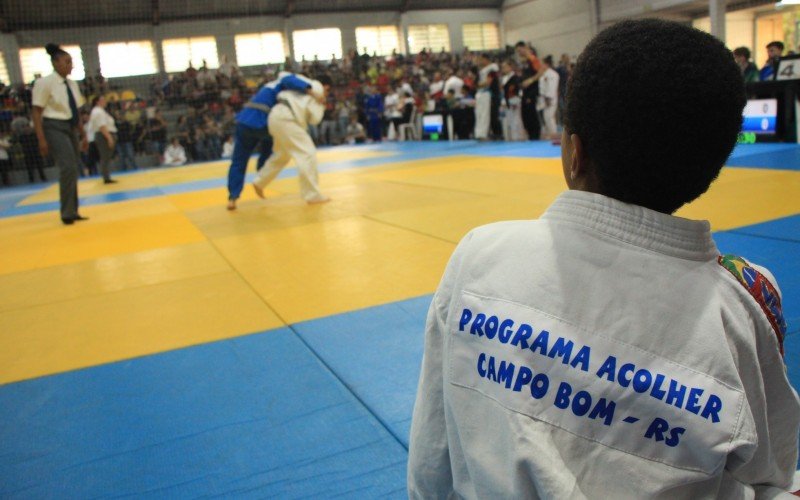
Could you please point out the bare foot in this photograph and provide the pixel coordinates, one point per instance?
(231, 205)
(259, 191)
(318, 201)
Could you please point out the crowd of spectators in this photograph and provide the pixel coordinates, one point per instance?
(509, 94)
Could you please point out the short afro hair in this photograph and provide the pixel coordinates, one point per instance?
(658, 107)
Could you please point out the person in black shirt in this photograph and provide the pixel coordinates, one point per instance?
(125, 135)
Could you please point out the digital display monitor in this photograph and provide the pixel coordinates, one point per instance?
(760, 116)
(432, 124)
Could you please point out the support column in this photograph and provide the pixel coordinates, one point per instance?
(716, 10)
(594, 16)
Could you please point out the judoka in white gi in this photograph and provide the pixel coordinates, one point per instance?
(484, 112)
(547, 101)
(288, 125)
(607, 349)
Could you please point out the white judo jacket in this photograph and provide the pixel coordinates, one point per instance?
(306, 110)
(603, 351)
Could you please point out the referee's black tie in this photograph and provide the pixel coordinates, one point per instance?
(72, 105)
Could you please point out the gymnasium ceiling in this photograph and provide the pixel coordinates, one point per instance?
(18, 15)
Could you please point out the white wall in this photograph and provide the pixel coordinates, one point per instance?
(453, 19)
(552, 26)
(566, 26)
(225, 30)
(739, 28)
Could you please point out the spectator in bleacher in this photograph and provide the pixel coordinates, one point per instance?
(354, 133)
(235, 100)
(200, 151)
(227, 147)
(213, 137)
(327, 128)
(155, 133)
(183, 131)
(20, 122)
(532, 71)
(228, 121)
(132, 113)
(749, 70)
(102, 131)
(125, 131)
(343, 111)
(774, 52)
(174, 155)
(227, 68)
(56, 100)
(34, 163)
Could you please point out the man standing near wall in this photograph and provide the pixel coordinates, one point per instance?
(532, 70)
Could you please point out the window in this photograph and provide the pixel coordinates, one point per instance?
(381, 40)
(37, 61)
(259, 48)
(4, 70)
(127, 59)
(322, 44)
(482, 36)
(179, 52)
(434, 37)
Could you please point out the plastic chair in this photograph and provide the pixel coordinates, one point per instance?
(409, 128)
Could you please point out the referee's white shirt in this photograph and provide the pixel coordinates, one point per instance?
(50, 93)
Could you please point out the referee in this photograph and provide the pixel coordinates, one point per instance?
(55, 117)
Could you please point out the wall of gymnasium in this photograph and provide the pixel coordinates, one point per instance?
(551, 26)
(225, 30)
(566, 26)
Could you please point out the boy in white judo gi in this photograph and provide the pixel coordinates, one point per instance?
(607, 349)
(288, 125)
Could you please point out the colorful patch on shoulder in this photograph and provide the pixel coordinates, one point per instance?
(761, 289)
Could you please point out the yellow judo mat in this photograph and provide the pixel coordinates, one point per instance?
(169, 348)
(163, 272)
